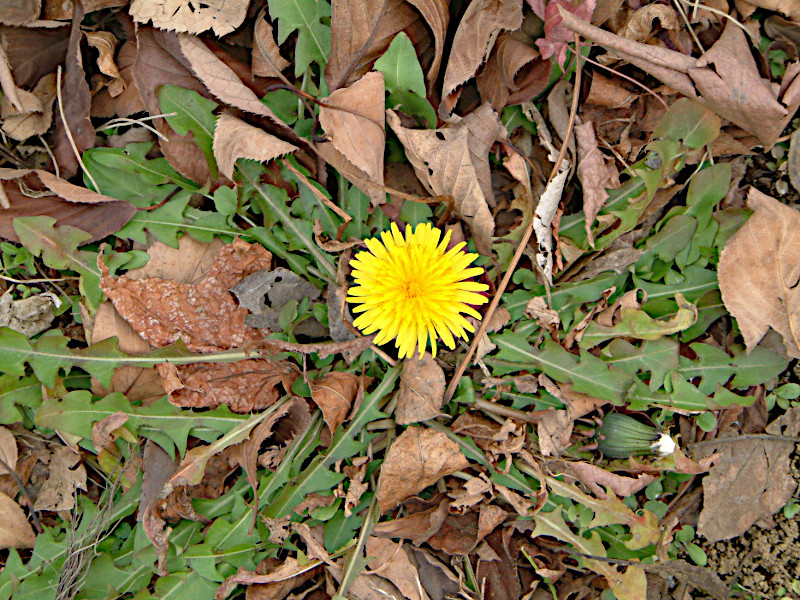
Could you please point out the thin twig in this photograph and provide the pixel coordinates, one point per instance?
(526, 236)
(69, 133)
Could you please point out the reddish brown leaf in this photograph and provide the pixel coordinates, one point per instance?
(482, 23)
(204, 314)
(233, 138)
(421, 390)
(33, 53)
(418, 458)
(334, 393)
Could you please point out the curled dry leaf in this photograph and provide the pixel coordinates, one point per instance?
(129, 101)
(418, 458)
(8, 451)
(543, 222)
(640, 25)
(417, 527)
(334, 393)
(443, 163)
(421, 390)
(515, 73)
(188, 16)
(105, 43)
(15, 531)
(233, 138)
(759, 270)
(788, 7)
(353, 118)
(204, 315)
(436, 14)
(267, 60)
(475, 37)
(33, 114)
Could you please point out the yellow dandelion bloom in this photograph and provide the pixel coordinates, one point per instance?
(413, 289)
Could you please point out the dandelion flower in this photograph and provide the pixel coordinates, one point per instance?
(413, 289)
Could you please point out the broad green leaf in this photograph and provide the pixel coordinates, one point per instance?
(185, 585)
(692, 283)
(756, 367)
(673, 237)
(712, 366)
(690, 123)
(656, 357)
(404, 80)
(225, 200)
(15, 393)
(310, 18)
(193, 113)
(164, 222)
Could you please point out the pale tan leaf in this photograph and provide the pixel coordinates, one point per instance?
(594, 477)
(759, 270)
(443, 163)
(482, 23)
(355, 123)
(15, 531)
(220, 79)
(421, 390)
(484, 129)
(191, 16)
(8, 450)
(233, 138)
(66, 476)
(36, 113)
(437, 15)
(267, 60)
(640, 26)
(594, 173)
(62, 9)
(105, 43)
(791, 8)
(391, 561)
(19, 12)
(418, 458)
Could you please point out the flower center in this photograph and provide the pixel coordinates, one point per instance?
(413, 289)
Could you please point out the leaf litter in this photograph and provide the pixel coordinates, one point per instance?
(231, 353)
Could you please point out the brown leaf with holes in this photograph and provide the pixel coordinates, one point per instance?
(77, 100)
(66, 475)
(752, 481)
(353, 118)
(361, 32)
(759, 270)
(266, 59)
(443, 163)
(418, 458)
(233, 138)
(421, 390)
(595, 173)
(204, 315)
(334, 393)
(68, 204)
(475, 37)
(190, 16)
(15, 530)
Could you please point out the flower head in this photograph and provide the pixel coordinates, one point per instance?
(413, 289)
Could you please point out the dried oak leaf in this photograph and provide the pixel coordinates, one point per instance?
(204, 315)
(418, 458)
(233, 138)
(759, 270)
(421, 390)
(475, 37)
(192, 16)
(443, 163)
(752, 481)
(334, 393)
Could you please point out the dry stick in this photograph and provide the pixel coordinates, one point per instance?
(526, 236)
(69, 133)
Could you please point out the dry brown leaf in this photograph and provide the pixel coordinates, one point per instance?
(640, 25)
(482, 23)
(759, 271)
(436, 14)
(233, 138)
(752, 481)
(361, 32)
(129, 101)
(732, 87)
(191, 16)
(788, 7)
(242, 386)
(515, 73)
(34, 53)
(105, 43)
(609, 93)
(19, 12)
(267, 60)
(66, 476)
(594, 477)
(77, 100)
(62, 9)
(334, 393)
(390, 560)
(554, 430)
(220, 79)
(353, 118)
(442, 161)
(8, 451)
(15, 531)
(103, 437)
(498, 572)
(418, 458)
(421, 390)
(537, 309)
(457, 536)
(484, 129)
(417, 527)
(204, 314)
(475, 491)
(595, 173)
(35, 114)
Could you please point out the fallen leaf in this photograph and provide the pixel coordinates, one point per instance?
(436, 14)
(554, 430)
(474, 491)
(514, 74)
(640, 25)
(556, 36)
(20, 12)
(129, 101)
(267, 60)
(419, 457)
(475, 37)
(457, 536)
(103, 436)
(15, 531)
(28, 316)
(77, 101)
(34, 53)
(417, 527)
(498, 574)
(543, 222)
(334, 394)
(484, 129)
(751, 481)
(537, 309)
(787, 7)
(759, 269)
(105, 43)
(34, 113)
(233, 138)
(264, 293)
(204, 315)
(62, 9)
(443, 163)
(190, 16)
(66, 476)
(8, 451)
(609, 93)
(594, 477)
(353, 118)
(355, 490)
(421, 390)
(289, 570)
(390, 560)
(595, 173)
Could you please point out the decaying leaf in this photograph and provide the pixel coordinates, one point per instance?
(334, 393)
(105, 43)
(418, 458)
(15, 531)
(265, 293)
(595, 174)
(29, 315)
(421, 390)
(66, 476)
(443, 163)
(33, 113)
(391, 561)
(233, 138)
(759, 271)
(190, 16)
(543, 222)
(267, 59)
